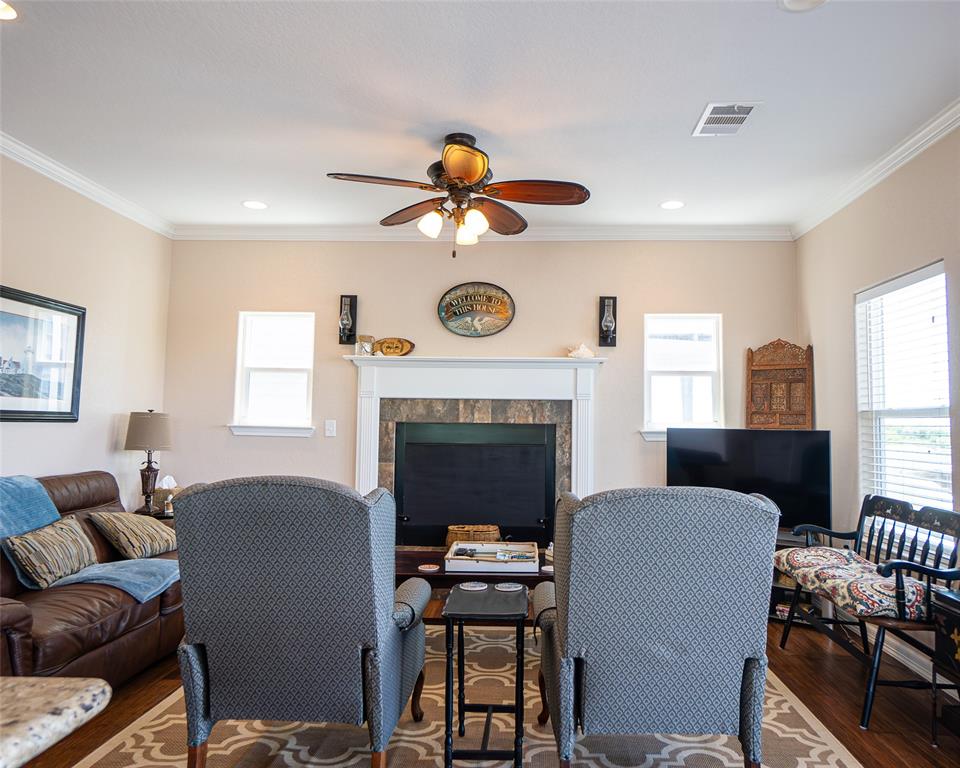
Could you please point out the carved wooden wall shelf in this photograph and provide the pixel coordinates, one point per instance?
(780, 386)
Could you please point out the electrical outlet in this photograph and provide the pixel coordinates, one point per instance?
(330, 428)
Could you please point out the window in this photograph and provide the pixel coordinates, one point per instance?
(274, 370)
(903, 390)
(681, 372)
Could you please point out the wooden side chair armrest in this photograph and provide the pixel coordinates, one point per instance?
(899, 566)
(810, 530)
(940, 574)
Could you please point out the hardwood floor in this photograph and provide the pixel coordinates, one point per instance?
(827, 680)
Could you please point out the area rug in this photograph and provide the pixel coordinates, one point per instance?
(792, 736)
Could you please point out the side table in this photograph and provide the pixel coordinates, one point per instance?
(489, 606)
(946, 657)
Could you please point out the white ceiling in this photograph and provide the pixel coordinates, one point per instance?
(186, 109)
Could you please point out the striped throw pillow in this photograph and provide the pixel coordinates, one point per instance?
(50, 553)
(135, 536)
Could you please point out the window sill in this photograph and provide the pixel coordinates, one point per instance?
(660, 435)
(269, 431)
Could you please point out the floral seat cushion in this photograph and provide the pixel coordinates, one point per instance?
(850, 582)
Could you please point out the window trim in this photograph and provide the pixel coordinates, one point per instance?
(240, 424)
(658, 432)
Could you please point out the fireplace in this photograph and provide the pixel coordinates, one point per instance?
(470, 473)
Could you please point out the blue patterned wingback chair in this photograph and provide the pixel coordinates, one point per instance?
(656, 621)
(290, 608)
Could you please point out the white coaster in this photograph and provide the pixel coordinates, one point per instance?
(546, 569)
(473, 586)
(428, 568)
(508, 586)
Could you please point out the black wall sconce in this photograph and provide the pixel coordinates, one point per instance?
(608, 321)
(348, 320)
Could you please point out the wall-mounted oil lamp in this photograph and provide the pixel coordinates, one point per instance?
(608, 321)
(348, 319)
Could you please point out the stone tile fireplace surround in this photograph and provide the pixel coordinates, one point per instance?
(504, 390)
(438, 411)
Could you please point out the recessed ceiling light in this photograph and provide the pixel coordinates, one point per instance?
(254, 205)
(671, 205)
(799, 6)
(7, 12)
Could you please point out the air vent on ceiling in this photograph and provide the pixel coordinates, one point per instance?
(724, 118)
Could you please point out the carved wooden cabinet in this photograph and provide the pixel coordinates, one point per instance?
(780, 386)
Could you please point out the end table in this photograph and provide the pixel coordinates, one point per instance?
(490, 606)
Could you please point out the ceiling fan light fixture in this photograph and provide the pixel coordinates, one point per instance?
(799, 6)
(466, 237)
(474, 221)
(430, 224)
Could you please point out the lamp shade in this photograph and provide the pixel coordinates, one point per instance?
(148, 431)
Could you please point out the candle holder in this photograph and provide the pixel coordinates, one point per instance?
(608, 321)
(347, 324)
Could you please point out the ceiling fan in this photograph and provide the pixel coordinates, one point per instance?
(462, 172)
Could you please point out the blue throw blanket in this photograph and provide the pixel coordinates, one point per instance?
(25, 506)
(143, 579)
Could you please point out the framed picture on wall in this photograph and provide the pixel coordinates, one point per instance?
(41, 357)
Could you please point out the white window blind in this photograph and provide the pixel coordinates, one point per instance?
(682, 376)
(903, 389)
(274, 369)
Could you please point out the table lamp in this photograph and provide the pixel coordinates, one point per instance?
(148, 431)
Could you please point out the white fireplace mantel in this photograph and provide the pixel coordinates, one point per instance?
(479, 378)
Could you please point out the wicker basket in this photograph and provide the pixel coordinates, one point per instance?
(472, 533)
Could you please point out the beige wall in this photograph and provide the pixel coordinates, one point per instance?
(910, 219)
(57, 243)
(555, 286)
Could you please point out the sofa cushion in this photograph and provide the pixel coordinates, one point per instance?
(72, 620)
(82, 493)
(52, 552)
(851, 582)
(135, 536)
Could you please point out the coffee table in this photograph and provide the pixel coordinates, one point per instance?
(490, 606)
(39, 711)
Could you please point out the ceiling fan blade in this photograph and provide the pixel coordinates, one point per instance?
(502, 219)
(385, 180)
(412, 212)
(538, 191)
(463, 163)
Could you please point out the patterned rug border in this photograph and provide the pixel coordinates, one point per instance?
(91, 760)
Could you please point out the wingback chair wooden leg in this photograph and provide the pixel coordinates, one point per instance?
(748, 763)
(378, 759)
(197, 756)
(564, 764)
(544, 707)
(415, 709)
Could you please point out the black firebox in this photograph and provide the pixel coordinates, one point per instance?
(447, 474)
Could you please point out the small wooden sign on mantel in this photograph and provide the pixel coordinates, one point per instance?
(780, 386)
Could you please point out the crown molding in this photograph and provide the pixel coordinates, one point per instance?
(378, 234)
(929, 133)
(47, 166)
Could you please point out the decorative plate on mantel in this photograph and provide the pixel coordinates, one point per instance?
(476, 309)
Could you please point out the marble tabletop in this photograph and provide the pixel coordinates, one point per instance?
(36, 712)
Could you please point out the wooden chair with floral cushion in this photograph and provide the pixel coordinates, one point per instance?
(899, 556)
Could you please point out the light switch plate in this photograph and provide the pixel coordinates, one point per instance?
(330, 428)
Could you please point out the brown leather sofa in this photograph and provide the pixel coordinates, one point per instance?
(85, 630)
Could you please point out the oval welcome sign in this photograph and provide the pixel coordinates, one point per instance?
(476, 309)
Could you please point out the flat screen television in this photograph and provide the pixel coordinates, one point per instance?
(791, 467)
